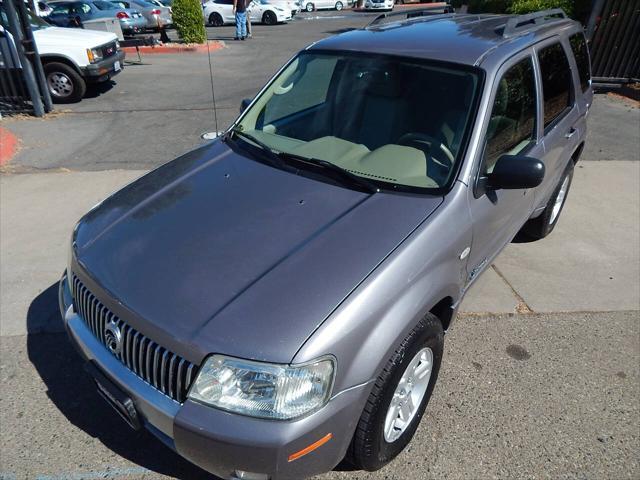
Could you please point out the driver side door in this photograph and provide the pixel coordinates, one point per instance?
(511, 127)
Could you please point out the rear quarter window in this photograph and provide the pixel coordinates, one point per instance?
(581, 54)
(556, 82)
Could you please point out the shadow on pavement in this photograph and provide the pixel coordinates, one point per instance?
(96, 89)
(74, 394)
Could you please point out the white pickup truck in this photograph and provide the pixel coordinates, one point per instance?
(71, 57)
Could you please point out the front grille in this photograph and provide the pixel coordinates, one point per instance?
(109, 50)
(159, 367)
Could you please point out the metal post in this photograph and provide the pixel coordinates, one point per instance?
(596, 10)
(31, 50)
(29, 77)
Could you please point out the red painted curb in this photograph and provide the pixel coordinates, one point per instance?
(8, 146)
(213, 45)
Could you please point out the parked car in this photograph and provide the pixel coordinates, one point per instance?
(319, 250)
(220, 12)
(156, 16)
(71, 58)
(42, 9)
(378, 5)
(288, 5)
(73, 13)
(167, 3)
(327, 5)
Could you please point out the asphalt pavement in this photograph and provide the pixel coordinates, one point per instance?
(541, 374)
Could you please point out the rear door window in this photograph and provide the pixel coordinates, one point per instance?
(581, 54)
(556, 82)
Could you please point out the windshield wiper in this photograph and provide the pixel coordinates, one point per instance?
(345, 175)
(275, 158)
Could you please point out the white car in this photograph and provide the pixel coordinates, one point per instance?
(71, 57)
(311, 5)
(291, 5)
(220, 12)
(378, 5)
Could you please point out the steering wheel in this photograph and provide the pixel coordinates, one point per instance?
(442, 155)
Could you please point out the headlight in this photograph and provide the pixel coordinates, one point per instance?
(94, 54)
(264, 390)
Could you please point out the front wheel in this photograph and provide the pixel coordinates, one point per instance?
(541, 226)
(215, 20)
(309, 7)
(64, 82)
(339, 6)
(399, 397)
(269, 18)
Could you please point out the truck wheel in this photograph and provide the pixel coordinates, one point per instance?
(544, 224)
(339, 6)
(399, 397)
(309, 7)
(65, 84)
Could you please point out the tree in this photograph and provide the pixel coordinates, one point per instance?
(188, 20)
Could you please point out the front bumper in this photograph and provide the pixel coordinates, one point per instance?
(223, 442)
(104, 69)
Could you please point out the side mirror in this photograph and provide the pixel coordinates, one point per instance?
(244, 104)
(516, 172)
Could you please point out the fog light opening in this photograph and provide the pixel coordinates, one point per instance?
(242, 475)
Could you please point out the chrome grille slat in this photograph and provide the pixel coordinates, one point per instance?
(172, 364)
(159, 367)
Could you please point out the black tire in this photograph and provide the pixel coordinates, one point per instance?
(541, 226)
(339, 6)
(369, 450)
(64, 82)
(269, 18)
(309, 7)
(215, 20)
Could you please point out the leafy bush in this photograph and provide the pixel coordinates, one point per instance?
(489, 6)
(188, 20)
(527, 6)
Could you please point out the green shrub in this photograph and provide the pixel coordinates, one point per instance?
(489, 6)
(527, 6)
(188, 20)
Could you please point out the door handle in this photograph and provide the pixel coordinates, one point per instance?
(570, 133)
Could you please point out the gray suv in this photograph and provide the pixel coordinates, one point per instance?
(275, 301)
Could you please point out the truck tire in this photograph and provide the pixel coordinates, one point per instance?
(64, 82)
(541, 226)
(399, 397)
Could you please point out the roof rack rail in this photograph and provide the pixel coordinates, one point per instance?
(523, 23)
(415, 12)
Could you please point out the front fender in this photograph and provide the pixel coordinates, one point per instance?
(370, 324)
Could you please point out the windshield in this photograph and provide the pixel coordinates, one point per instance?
(100, 5)
(387, 119)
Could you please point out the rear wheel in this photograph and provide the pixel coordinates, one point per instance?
(269, 18)
(309, 7)
(399, 397)
(339, 6)
(541, 226)
(215, 20)
(64, 83)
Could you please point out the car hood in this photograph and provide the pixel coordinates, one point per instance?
(71, 37)
(218, 253)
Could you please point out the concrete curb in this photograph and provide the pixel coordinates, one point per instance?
(8, 146)
(177, 48)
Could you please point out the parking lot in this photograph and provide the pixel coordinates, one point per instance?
(541, 374)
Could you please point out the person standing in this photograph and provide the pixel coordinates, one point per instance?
(251, 4)
(240, 11)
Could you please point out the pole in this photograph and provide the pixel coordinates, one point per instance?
(31, 50)
(27, 70)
